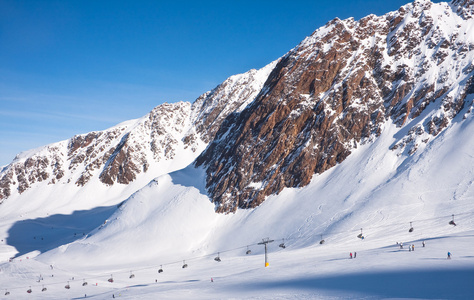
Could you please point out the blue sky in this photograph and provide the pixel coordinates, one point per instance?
(70, 67)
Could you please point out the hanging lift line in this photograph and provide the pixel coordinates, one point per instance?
(248, 251)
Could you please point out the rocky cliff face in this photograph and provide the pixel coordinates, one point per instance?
(336, 90)
(276, 127)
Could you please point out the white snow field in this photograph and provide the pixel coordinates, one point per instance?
(170, 222)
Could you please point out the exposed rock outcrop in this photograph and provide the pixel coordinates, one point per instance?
(336, 90)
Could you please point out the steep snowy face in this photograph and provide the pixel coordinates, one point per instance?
(336, 90)
(170, 137)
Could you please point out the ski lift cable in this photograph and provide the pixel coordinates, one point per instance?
(372, 227)
(238, 248)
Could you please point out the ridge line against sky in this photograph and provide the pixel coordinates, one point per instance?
(71, 67)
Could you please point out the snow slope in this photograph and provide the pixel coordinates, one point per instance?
(171, 220)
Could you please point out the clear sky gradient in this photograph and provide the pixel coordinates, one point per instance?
(71, 67)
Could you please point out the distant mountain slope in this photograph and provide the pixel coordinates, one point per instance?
(170, 137)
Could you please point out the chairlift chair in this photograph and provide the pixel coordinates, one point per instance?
(67, 286)
(218, 259)
(29, 290)
(84, 283)
(411, 228)
(248, 251)
(161, 269)
(131, 275)
(282, 245)
(43, 289)
(322, 241)
(360, 235)
(111, 279)
(452, 222)
(185, 265)
(7, 293)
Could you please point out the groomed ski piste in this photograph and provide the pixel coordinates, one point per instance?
(171, 222)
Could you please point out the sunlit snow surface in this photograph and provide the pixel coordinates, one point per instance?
(171, 220)
(64, 235)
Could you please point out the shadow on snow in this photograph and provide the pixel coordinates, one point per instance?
(426, 284)
(43, 234)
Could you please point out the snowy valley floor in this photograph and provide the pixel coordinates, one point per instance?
(380, 270)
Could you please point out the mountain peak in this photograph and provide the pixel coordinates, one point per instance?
(464, 8)
(336, 90)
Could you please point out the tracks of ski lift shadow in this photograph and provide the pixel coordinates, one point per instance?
(43, 234)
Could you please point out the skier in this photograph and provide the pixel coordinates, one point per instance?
(413, 247)
(212, 280)
(355, 254)
(449, 255)
(423, 243)
(401, 245)
(350, 255)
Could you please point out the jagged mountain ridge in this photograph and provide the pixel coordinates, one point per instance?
(337, 89)
(276, 127)
(166, 139)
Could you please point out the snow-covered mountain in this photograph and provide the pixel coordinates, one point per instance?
(132, 153)
(336, 90)
(363, 128)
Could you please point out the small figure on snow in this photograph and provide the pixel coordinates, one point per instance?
(355, 254)
(212, 279)
(413, 247)
(423, 243)
(449, 255)
(401, 245)
(350, 254)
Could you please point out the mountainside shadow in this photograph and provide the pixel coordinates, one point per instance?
(43, 234)
(423, 284)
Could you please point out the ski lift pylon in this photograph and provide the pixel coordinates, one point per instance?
(218, 258)
(411, 228)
